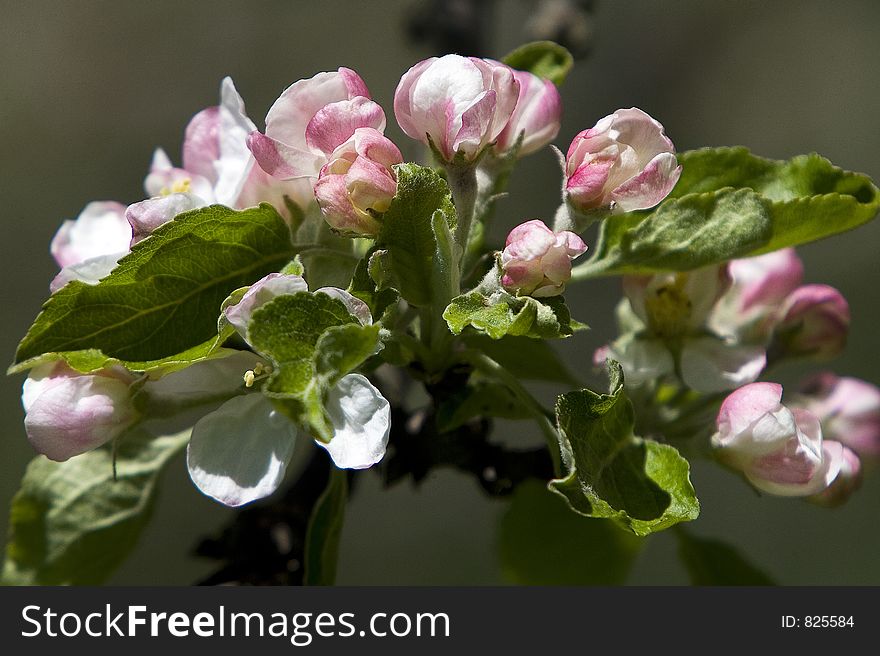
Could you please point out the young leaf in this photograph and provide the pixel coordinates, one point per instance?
(312, 341)
(325, 530)
(408, 235)
(542, 542)
(711, 562)
(641, 485)
(163, 298)
(730, 204)
(543, 58)
(71, 523)
(503, 314)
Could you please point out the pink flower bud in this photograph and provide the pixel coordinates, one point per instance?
(68, 413)
(358, 183)
(815, 323)
(310, 120)
(848, 480)
(537, 261)
(624, 163)
(780, 451)
(460, 104)
(848, 409)
(536, 117)
(673, 304)
(767, 279)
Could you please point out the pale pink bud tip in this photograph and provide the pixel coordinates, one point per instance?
(624, 163)
(537, 261)
(460, 104)
(68, 413)
(358, 183)
(536, 117)
(815, 322)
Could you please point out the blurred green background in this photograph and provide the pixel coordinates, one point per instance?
(90, 88)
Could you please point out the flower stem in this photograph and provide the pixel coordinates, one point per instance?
(463, 184)
(492, 368)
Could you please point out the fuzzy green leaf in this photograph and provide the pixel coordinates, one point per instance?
(479, 399)
(408, 234)
(162, 299)
(641, 485)
(542, 542)
(730, 204)
(72, 524)
(542, 58)
(502, 314)
(312, 341)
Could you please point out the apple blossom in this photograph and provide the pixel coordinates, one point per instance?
(779, 450)
(88, 248)
(358, 183)
(669, 335)
(308, 122)
(536, 118)
(218, 167)
(68, 413)
(537, 261)
(847, 408)
(458, 104)
(623, 163)
(814, 322)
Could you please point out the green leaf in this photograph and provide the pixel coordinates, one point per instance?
(479, 399)
(543, 58)
(72, 524)
(312, 341)
(525, 358)
(502, 314)
(325, 530)
(711, 562)
(366, 288)
(542, 542)
(642, 485)
(730, 204)
(163, 298)
(408, 234)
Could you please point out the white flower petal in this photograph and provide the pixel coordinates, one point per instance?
(239, 453)
(709, 364)
(361, 420)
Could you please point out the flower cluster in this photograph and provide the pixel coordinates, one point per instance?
(687, 337)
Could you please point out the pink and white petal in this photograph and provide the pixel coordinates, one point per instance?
(370, 185)
(239, 453)
(361, 419)
(403, 106)
(709, 364)
(260, 187)
(100, 228)
(473, 132)
(90, 271)
(586, 185)
(372, 144)
(201, 144)
(767, 279)
(287, 118)
(332, 196)
(644, 134)
(556, 265)
(650, 186)
(748, 403)
(335, 123)
(144, 217)
(282, 161)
